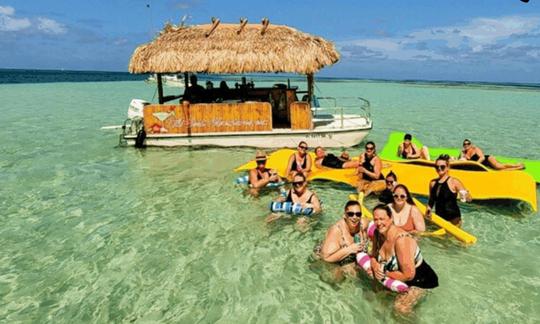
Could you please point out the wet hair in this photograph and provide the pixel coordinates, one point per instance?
(352, 203)
(407, 137)
(444, 157)
(404, 187)
(391, 174)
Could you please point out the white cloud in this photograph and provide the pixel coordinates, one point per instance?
(454, 41)
(9, 23)
(50, 26)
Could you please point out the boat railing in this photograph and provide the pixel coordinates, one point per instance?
(341, 108)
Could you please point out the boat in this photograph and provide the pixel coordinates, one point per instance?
(171, 80)
(274, 116)
(389, 152)
(485, 185)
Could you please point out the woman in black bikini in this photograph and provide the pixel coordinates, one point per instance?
(370, 178)
(407, 149)
(299, 162)
(471, 152)
(443, 193)
(396, 255)
(261, 176)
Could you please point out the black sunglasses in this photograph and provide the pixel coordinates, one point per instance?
(298, 183)
(440, 167)
(261, 161)
(390, 181)
(352, 214)
(400, 196)
(303, 147)
(466, 143)
(370, 148)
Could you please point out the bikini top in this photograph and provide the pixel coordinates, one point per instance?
(392, 263)
(294, 165)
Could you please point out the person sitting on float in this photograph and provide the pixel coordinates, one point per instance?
(329, 160)
(471, 152)
(370, 178)
(408, 150)
(261, 176)
(299, 162)
(387, 195)
(396, 255)
(405, 214)
(443, 192)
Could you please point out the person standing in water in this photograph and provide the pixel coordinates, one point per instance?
(443, 193)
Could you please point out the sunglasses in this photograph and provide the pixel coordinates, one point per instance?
(261, 161)
(352, 214)
(400, 196)
(440, 167)
(466, 143)
(370, 148)
(303, 147)
(389, 181)
(298, 183)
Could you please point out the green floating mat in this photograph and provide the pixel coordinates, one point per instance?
(389, 152)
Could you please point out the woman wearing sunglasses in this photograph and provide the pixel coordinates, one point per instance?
(345, 238)
(370, 177)
(387, 195)
(299, 194)
(300, 161)
(407, 149)
(261, 175)
(443, 193)
(471, 152)
(396, 255)
(405, 214)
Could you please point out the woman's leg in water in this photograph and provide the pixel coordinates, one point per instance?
(404, 303)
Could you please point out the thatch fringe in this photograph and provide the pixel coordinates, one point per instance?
(225, 50)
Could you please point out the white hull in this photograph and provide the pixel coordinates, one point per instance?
(273, 139)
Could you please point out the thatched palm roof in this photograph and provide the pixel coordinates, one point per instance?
(227, 49)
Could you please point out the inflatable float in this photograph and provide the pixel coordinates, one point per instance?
(389, 152)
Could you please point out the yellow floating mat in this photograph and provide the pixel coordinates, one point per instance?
(482, 185)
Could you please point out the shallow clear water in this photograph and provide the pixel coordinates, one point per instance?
(95, 232)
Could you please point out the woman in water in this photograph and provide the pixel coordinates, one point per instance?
(405, 214)
(396, 255)
(370, 177)
(345, 238)
(299, 162)
(387, 195)
(261, 176)
(329, 160)
(443, 193)
(299, 194)
(471, 152)
(408, 150)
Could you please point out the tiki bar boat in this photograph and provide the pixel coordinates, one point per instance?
(273, 116)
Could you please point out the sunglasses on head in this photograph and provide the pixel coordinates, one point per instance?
(298, 183)
(352, 214)
(400, 196)
(303, 147)
(440, 167)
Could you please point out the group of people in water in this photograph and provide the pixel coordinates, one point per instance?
(393, 250)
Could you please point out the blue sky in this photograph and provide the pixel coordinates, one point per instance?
(464, 40)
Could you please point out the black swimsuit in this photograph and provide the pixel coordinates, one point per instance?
(332, 161)
(368, 166)
(404, 153)
(294, 166)
(386, 196)
(475, 157)
(289, 198)
(444, 200)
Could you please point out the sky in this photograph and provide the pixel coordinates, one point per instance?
(459, 40)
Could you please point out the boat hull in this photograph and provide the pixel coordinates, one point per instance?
(276, 138)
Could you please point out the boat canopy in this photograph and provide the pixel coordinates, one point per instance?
(233, 49)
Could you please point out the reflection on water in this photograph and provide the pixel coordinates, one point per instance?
(93, 232)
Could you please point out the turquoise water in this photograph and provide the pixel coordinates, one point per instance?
(93, 232)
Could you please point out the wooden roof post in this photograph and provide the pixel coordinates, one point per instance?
(310, 87)
(160, 89)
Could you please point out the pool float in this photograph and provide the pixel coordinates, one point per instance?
(488, 184)
(364, 261)
(244, 180)
(389, 152)
(290, 208)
